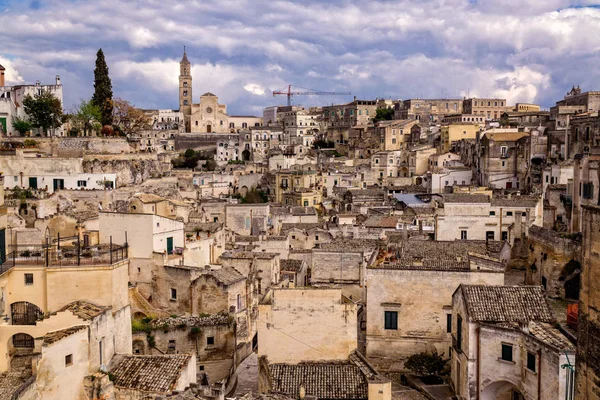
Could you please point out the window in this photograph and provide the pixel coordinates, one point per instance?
(507, 352)
(171, 349)
(509, 213)
(503, 151)
(531, 361)
(504, 163)
(173, 294)
(81, 183)
(448, 323)
(68, 360)
(317, 237)
(504, 235)
(391, 320)
(489, 235)
(210, 341)
(492, 213)
(239, 302)
(463, 235)
(28, 279)
(458, 332)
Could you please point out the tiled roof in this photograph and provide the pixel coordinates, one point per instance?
(515, 201)
(465, 198)
(550, 335)
(52, 337)
(227, 275)
(84, 309)
(324, 380)
(285, 228)
(148, 198)
(506, 303)
(505, 136)
(246, 238)
(155, 374)
(291, 265)
(439, 255)
(380, 221)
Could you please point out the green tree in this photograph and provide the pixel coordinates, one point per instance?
(44, 110)
(85, 115)
(21, 125)
(425, 363)
(189, 153)
(103, 94)
(383, 114)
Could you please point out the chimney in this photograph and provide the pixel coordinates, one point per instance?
(1, 76)
(57, 80)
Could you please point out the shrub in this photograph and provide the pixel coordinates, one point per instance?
(189, 153)
(426, 363)
(107, 130)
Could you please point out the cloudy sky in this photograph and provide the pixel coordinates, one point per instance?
(242, 50)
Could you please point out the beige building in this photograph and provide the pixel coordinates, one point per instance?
(409, 297)
(505, 345)
(394, 134)
(491, 108)
(306, 324)
(450, 134)
(526, 107)
(299, 179)
(207, 116)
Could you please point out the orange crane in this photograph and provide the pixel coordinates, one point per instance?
(289, 93)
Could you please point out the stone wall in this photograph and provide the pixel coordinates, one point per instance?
(554, 261)
(588, 345)
(132, 170)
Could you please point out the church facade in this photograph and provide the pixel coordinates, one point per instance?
(207, 116)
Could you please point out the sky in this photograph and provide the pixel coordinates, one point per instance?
(242, 50)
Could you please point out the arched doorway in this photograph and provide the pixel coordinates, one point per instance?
(208, 128)
(25, 313)
(138, 316)
(21, 341)
(571, 275)
(246, 155)
(501, 390)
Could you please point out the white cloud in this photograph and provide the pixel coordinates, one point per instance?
(255, 89)
(241, 48)
(11, 75)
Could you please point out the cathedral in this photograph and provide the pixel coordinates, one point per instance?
(208, 116)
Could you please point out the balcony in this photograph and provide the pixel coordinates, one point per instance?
(64, 255)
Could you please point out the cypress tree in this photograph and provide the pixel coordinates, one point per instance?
(103, 89)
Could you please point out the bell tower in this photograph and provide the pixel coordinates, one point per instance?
(185, 89)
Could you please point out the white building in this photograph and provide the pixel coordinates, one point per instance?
(11, 104)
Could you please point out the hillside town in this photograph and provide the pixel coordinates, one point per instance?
(377, 249)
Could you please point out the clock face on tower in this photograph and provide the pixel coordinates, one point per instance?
(208, 110)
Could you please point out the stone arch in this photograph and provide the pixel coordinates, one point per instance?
(25, 313)
(139, 315)
(499, 389)
(419, 180)
(246, 155)
(244, 191)
(20, 343)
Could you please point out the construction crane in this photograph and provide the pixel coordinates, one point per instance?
(289, 93)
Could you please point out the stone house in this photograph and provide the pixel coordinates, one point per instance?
(141, 377)
(504, 345)
(343, 263)
(212, 338)
(353, 378)
(306, 324)
(554, 261)
(409, 295)
(247, 219)
(393, 134)
(295, 271)
(450, 134)
(502, 158)
(588, 324)
(262, 266)
(477, 217)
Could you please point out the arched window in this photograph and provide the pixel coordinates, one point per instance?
(244, 125)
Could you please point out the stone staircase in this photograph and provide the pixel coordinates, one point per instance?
(19, 372)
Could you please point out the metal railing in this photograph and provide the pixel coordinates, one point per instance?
(57, 253)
